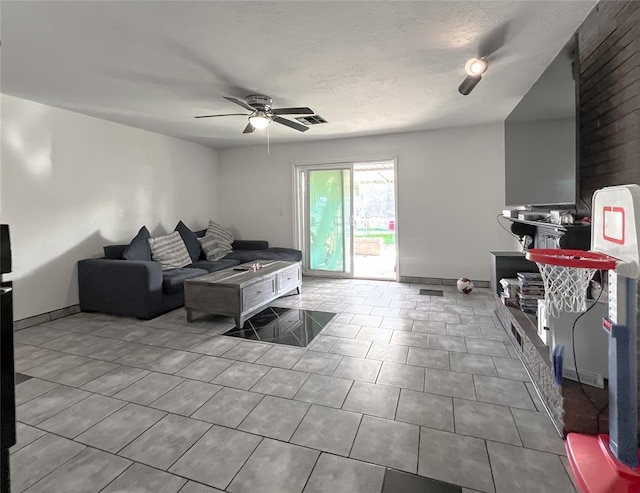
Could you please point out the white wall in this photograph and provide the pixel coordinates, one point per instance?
(450, 188)
(72, 184)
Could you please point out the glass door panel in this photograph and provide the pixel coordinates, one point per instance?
(328, 215)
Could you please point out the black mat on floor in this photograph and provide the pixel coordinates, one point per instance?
(289, 326)
(432, 292)
(403, 482)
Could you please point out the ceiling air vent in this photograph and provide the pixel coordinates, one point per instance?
(311, 120)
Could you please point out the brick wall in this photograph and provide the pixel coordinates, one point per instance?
(609, 86)
(609, 44)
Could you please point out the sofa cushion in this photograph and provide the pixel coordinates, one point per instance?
(114, 252)
(244, 256)
(249, 244)
(274, 253)
(190, 241)
(170, 251)
(214, 266)
(173, 279)
(223, 236)
(278, 253)
(212, 248)
(138, 249)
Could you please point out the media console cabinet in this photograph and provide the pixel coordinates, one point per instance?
(566, 404)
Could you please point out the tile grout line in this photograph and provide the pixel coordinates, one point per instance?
(133, 461)
(120, 475)
(312, 469)
(493, 478)
(75, 436)
(356, 435)
(262, 439)
(211, 426)
(250, 389)
(55, 414)
(58, 467)
(115, 361)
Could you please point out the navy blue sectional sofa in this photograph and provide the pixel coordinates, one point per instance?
(140, 288)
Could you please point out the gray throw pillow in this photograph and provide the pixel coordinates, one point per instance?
(212, 248)
(190, 241)
(170, 251)
(223, 236)
(138, 249)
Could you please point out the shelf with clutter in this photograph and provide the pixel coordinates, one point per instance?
(567, 406)
(555, 229)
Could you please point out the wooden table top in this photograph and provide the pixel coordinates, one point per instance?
(231, 277)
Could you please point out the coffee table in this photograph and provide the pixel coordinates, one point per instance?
(241, 294)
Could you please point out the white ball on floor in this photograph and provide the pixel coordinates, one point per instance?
(464, 285)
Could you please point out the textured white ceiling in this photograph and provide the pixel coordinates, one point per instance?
(368, 67)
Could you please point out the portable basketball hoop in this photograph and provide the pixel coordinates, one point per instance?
(566, 275)
(605, 463)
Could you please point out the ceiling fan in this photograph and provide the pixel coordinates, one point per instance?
(262, 113)
(476, 67)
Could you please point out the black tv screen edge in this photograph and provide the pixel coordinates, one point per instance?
(5, 249)
(541, 138)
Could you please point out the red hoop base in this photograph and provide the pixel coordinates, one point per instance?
(580, 259)
(596, 469)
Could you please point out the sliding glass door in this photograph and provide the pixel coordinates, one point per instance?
(325, 222)
(345, 219)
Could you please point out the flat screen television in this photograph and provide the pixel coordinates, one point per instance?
(541, 144)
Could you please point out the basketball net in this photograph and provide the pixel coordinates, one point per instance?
(566, 275)
(565, 288)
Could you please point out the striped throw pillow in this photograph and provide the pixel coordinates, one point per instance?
(212, 248)
(170, 251)
(221, 235)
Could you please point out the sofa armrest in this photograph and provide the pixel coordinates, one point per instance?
(121, 287)
(250, 245)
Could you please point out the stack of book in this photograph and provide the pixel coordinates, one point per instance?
(510, 290)
(531, 290)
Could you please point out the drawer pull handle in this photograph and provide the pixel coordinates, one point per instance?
(259, 292)
(288, 278)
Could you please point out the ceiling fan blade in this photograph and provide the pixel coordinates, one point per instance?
(248, 129)
(493, 40)
(226, 114)
(240, 102)
(283, 121)
(292, 111)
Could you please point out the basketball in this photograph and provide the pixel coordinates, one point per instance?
(464, 285)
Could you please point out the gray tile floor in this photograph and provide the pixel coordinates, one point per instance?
(422, 384)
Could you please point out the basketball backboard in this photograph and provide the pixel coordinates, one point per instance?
(615, 226)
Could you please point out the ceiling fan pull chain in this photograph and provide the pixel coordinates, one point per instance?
(268, 148)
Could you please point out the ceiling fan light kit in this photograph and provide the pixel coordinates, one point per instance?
(262, 114)
(259, 121)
